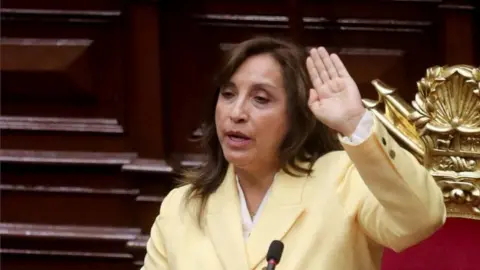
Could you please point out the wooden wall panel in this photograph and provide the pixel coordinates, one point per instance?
(59, 70)
(69, 208)
(144, 101)
(71, 247)
(153, 180)
(81, 119)
(64, 77)
(392, 40)
(56, 64)
(99, 189)
(101, 101)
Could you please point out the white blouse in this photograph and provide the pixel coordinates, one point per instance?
(361, 133)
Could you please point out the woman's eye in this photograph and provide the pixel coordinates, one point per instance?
(261, 100)
(227, 94)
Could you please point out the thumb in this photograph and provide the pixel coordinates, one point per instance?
(312, 98)
(314, 104)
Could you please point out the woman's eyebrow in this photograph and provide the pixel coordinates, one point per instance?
(265, 85)
(228, 84)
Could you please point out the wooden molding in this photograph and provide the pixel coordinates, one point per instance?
(64, 16)
(61, 253)
(140, 242)
(66, 241)
(64, 157)
(94, 125)
(146, 198)
(352, 24)
(77, 232)
(68, 190)
(148, 165)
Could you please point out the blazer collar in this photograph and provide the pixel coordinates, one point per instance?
(224, 223)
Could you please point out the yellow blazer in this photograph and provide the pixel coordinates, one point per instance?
(357, 201)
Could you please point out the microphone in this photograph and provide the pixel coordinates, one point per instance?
(274, 254)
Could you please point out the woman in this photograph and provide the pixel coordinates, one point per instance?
(274, 173)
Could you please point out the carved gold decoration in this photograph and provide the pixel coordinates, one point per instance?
(442, 129)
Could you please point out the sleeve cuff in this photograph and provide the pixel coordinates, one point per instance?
(362, 132)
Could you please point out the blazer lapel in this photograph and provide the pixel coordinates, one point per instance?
(282, 210)
(224, 224)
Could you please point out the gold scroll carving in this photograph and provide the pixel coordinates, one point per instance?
(441, 128)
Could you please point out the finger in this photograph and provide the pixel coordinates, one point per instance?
(317, 60)
(314, 76)
(342, 71)
(327, 62)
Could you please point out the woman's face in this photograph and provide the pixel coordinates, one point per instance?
(251, 113)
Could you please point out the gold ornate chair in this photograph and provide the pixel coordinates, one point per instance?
(442, 129)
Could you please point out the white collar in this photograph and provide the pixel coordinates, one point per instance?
(247, 221)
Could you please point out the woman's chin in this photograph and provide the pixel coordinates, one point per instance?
(239, 159)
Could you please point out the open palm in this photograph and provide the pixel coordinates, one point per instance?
(336, 100)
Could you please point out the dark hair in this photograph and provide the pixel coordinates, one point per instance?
(306, 140)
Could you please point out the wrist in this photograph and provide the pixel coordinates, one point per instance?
(351, 124)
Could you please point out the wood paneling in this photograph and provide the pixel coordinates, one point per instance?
(390, 40)
(101, 100)
(90, 189)
(59, 247)
(457, 36)
(59, 86)
(64, 77)
(73, 208)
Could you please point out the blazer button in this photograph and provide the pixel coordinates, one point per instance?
(384, 141)
(392, 154)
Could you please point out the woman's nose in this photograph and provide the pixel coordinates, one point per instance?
(238, 111)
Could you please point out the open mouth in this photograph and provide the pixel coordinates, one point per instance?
(236, 136)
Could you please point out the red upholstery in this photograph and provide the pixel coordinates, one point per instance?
(456, 246)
